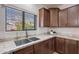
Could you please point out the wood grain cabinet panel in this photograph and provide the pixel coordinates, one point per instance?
(70, 46)
(42, 47)
(60, 45)
(51, 45)
(27, 50)
(44, 20)
(78, 15)
(63, 18)
(45, 47)
(54, 16)
(78, 47)
(72, 16)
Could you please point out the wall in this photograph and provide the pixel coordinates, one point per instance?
(13, 34)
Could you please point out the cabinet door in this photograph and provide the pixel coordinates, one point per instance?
(78, 47)
(78, 14)
(72, 16)
(51, 45)
(27, 50)
(42, 48)
(44, 18)
(60, 45)
(41, 17)
(70, 46)
(54, 12)
(63, 18)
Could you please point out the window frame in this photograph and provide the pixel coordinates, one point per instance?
(35, 20)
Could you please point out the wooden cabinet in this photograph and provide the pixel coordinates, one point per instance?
(45, 47)
(72, 16)
(54, 13)
(70, 46)
(48, 17)
(53, 17)
(63, 18)
(78, 14)
(69, 17)
(51, 45)
(44, 20)
(66, 46)
(60, 45)
(27, 50)
(78, 46)
(42, 48)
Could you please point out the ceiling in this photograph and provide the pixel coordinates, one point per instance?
(48, 5)
(34, 7)
(38, 6)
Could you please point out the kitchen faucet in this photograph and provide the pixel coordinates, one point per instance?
(26, 34)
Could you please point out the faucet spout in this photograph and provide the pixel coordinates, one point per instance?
(26, 34)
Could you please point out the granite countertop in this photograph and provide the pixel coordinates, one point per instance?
(9, 46)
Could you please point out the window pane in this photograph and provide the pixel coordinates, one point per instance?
(29, 21)
(13, 19)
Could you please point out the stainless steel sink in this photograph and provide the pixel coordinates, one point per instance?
(25, 41)
(33, 39)
(21, 42)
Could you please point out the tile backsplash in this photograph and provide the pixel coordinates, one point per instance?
(13, 34)
(68, 31)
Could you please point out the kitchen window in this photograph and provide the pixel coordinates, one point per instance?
(17, 20)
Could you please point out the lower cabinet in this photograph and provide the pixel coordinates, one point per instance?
(78, 46)
(66, 46)
(45, 47)
(60, 45)
(52, 45)
(27, 50)
(70, 46)
(42, 48)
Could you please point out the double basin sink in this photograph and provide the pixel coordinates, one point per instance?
(25, 41)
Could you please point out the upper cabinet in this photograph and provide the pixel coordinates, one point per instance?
(63, 18)
(53, 17)
(78, 15)
(54, 12)
(44, 18)
(72, 16)
(69, 17)
(48, 17)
